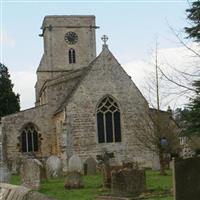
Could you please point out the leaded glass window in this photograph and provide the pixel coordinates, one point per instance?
(108, 121)
(72, 56)
(29, 139)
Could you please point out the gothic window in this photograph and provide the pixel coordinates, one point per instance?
(72, 56)
(29, 139)
(108, 121)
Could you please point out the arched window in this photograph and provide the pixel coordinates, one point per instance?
(72, 56)
(108, 121)
(29, 139)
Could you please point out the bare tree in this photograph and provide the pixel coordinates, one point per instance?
(183, 79)
(160, 132)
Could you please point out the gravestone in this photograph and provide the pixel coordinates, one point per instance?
(186, 178)
(104, 162)
(30, 173)
(4, 171)
(128, 182)
(53, 167)
(75, 164)
(74, 177)
(90, 166)
(13, 192)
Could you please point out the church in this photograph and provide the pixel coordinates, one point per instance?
(84, 103)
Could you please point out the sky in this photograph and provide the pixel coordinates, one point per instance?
(132, 27)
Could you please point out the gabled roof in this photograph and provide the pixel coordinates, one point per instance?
(105, 53)
(71, 86)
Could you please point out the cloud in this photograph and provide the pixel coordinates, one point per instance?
(7, 40)
(24, 82)
(169, 60)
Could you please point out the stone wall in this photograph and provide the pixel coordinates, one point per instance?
(13, 125)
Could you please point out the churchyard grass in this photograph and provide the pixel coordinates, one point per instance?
(55, 188)
(159, 184)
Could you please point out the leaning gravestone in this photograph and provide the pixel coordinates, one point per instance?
(53, 167)
(74, 177)
(30, 173)
(13, 192)
(186, 175)
(90, 166)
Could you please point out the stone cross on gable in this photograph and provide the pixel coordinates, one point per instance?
(104, 38)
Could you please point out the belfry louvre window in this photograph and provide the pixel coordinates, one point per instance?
(29, 139)
(108, 121)
(72, 56)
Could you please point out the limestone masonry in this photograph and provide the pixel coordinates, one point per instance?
(84, 103)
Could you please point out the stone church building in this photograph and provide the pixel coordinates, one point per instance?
(84, 103)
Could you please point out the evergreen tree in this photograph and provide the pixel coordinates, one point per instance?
(194, 17)
(192, 116)
(9, 101)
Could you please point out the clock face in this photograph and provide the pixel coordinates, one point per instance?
(71, 37)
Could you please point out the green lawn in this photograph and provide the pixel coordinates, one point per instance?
(159, 184)
(156, 184)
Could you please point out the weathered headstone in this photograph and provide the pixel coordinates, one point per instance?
(105, 165)
(128, 182)
(75, 164)
(53, 167)
(186, 179)
(4, 171)
(30, 173)
(13, 192)
(90, 166)
(74, 177)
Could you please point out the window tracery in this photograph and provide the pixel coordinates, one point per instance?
(108, 121)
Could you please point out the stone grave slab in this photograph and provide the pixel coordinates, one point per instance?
(14, 192)
(128, 182)
(74, 180)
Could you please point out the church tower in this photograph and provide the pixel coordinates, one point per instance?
(69, 44)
